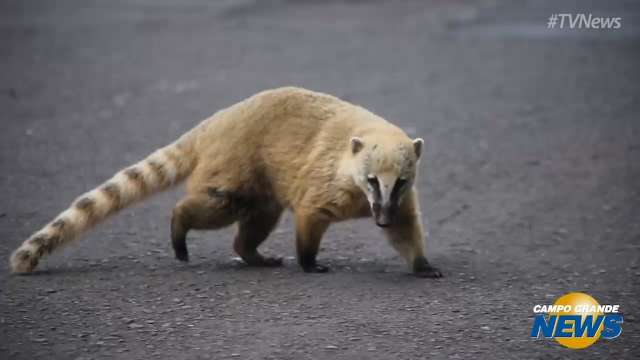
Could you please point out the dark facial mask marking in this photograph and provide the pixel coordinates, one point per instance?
(375, 185)
(380, 212)
(398, 188)
(385, 213)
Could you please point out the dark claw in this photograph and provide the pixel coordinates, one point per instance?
(316, 269)
(422, 268)
(182, 254)
(429, 273)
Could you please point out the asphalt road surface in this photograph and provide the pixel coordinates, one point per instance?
(530, 182)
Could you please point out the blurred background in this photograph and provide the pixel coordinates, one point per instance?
(529, 183)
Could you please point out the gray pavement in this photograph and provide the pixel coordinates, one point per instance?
(529, 183)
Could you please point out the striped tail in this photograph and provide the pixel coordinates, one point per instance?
(164, 168)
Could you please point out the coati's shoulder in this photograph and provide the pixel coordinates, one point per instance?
(277, 106)
(335, 119)
(294, 99)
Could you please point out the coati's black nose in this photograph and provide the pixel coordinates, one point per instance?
(384, 216)
(383, 219)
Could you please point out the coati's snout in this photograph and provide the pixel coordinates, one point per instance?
(385, 198)
(383, 214)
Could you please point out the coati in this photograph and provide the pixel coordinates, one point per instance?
(289, 148)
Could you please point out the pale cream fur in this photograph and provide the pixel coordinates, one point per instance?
(289, 147)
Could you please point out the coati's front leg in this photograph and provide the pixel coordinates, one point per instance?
(309, 230)
(253, 229)
(405, 235)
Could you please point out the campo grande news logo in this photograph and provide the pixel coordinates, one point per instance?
(576, 321)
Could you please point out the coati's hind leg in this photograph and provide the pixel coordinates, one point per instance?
(253, 229)
(201, 212)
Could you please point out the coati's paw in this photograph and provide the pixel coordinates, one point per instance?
(315, 268)
(422, 268)
(431, 272)
(182, 254)
(23, 261)
(264, 261)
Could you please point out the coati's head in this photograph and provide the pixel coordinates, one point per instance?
(385, 171)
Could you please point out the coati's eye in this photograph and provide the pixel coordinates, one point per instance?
(400, 183)
(399, 186)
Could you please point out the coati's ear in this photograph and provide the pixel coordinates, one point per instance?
(417, 147)
(356, 145)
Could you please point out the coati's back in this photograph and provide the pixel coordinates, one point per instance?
(304, 138)
(281, 137)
